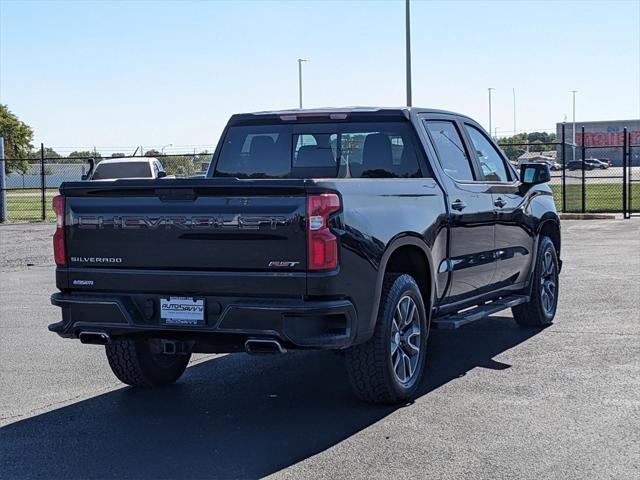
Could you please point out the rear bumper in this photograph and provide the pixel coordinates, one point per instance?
(294, 322)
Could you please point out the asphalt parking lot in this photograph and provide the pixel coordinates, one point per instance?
(498, 401)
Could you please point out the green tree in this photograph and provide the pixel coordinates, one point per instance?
(118, 155)
(541, 137)
(48, 153)
(513, 146)
(17, 137)
(85, 154)
(536, 146)
(82, 155)
(518, 144)
(152, 153)
(180, 166)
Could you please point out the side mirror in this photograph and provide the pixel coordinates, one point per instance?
(162, 174)
(534, 173)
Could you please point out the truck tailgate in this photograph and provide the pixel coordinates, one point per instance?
(190, 224)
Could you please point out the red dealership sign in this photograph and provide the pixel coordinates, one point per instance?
(605, 139)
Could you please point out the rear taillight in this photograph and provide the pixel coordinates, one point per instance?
(322, 245)
(58, 237)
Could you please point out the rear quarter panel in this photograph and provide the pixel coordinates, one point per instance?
(377, 216)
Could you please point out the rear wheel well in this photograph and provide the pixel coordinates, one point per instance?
(552, 230)
(413, 261)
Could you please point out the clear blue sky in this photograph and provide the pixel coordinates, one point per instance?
(116, 74)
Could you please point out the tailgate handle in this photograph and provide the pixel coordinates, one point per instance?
(176, 194)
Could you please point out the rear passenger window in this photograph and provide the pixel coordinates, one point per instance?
(490, 160)
(378, 155)
(315, 155)
(450, 149)
(255, 152)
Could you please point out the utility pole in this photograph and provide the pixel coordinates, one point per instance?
(408, 49)
(573, 140)
(300, 60)
(43, 182)
(490, 89)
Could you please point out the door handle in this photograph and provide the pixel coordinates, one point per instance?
(500, 202)
(458, 205)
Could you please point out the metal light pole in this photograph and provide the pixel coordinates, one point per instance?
(495, 134)
(300, 60)
(167, 145)
(3, 191)
(573, 140)
(490, 89)
(514, 112)
(408, 49)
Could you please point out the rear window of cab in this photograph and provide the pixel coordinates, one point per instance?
(338, 150)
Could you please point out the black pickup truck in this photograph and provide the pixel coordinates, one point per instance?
(349, 229)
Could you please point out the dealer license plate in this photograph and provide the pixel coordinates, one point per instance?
(182, 311)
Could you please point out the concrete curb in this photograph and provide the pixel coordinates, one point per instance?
(588, 216)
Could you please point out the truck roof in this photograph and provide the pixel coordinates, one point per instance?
(335, 113)
(127, 160)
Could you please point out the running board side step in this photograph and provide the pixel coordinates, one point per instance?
(457, 320)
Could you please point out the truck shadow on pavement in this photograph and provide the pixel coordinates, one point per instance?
(236, 416)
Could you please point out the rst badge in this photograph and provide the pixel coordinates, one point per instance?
(282, 264)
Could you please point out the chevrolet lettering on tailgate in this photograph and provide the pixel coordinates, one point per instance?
(125, 222)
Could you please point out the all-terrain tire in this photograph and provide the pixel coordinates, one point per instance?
(134, 363)
(369, 365)
(540, 311)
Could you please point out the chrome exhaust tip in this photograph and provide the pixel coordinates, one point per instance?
(263, 345)
(94, 338)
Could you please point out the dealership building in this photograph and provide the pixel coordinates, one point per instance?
(603, 139)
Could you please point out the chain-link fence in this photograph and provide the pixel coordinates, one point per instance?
(633, 181)
(550, 153)
(599, 183)
(582, 178)
(30, 184)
